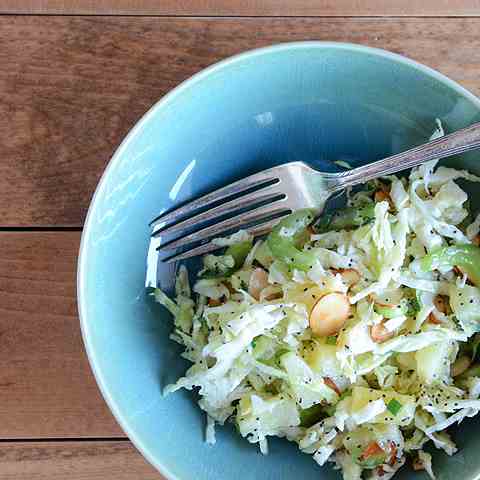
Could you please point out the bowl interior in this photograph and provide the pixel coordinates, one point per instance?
(312, 102)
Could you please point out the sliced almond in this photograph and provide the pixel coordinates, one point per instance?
(349, 275)
(379, 333)
(433, 319)
(329, 314)
(386, 305)
(383, 196)
(458, 271)
(393, 453)
(440, 303)
(272, 292)
(330, 383)
(213, 302)
(442, 306)
(258, 281)
(418, 465)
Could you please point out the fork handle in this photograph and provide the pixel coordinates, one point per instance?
(458, 142)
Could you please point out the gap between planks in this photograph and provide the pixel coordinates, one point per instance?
(239, 8)
(236, 17)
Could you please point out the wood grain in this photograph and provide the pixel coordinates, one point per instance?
(71, 89)
(73, 86)
(74, 460)
(46, 387)
(250, 8)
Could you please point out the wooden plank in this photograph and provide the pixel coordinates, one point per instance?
(46, 386)
(250, 8)
(73, 86)
(73, 460)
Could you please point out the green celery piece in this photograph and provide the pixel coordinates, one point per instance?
(331, 340)
(394, 406)
(466, 257)
(238, 251)
(310, 416)
(393, 311)
(285, 248)
(330, 410)
(346, 218)
(260, 345)
(413, 306)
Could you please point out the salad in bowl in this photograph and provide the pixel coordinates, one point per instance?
(353, 335)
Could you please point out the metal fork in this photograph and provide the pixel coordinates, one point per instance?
(259, 201)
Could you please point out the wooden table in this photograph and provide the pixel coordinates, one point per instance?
(74, 78)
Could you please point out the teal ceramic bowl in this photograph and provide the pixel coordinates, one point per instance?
(316, 102)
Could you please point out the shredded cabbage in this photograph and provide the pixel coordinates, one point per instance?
(377, 386)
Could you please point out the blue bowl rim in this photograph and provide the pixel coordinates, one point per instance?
(165, 100)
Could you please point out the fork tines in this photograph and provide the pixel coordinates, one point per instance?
(255, 203)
